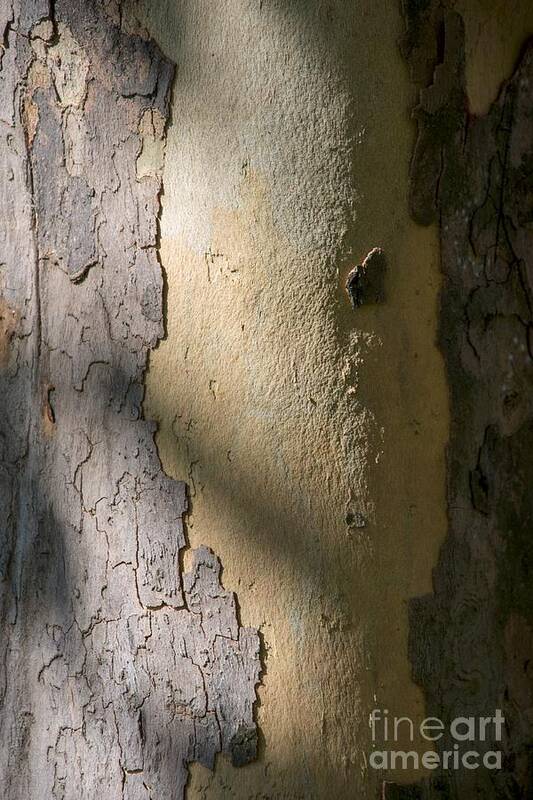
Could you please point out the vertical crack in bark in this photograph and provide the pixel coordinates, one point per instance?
(471, 640)
(116, 670)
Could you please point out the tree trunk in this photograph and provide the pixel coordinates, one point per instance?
(117, 669)
(337, 351)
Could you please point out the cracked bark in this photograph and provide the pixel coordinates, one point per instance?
(471, 641)
(116, 670)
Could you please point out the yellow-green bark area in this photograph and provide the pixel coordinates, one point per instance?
(312, 435)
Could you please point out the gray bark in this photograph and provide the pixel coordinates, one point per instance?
(117, 669)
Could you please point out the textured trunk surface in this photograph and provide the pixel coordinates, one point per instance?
(309, 420)
(471, 641)
(116, 667)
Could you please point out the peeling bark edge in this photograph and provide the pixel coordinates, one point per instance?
(116, 671)
(471, 641)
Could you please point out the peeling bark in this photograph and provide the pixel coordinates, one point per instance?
(116, 670)
(471, 641)
(365, 283)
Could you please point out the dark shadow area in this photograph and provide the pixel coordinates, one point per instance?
(471, 641)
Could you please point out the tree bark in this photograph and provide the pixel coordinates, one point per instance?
(302, 396)
(117, 669)
(471, 639)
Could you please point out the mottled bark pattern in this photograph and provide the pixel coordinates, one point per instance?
(115, 669)
(471, 641)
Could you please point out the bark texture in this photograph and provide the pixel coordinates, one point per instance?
(471, 641)
(117, 669)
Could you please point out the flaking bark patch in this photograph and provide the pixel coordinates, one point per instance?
(365, 283)
(475, 177)
(116, 670)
